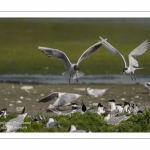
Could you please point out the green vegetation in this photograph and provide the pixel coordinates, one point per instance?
(20, 37)
(88, 121)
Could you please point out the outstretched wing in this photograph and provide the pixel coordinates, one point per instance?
(113, 50)
(136, 52)
(57, 54)
(66, 98)
(48, 98)
(89, 51)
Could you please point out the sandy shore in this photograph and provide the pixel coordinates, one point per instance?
(13, 95)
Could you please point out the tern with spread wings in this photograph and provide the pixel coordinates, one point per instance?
(132, 56)
(60, 98)
(73, 69)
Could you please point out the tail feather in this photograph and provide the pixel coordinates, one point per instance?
(140, 68)
(78, 75)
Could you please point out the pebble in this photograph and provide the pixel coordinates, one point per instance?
(102, 99)
(21, 97)
(11, 105)
(19, 108)
(42, 94)
(95, 104)
(79, 89)
(50, 106)
(27, 87)
(123, 99)
(33, 105)
(18, 101)
(136, 96)
(90, 101)
(6, 99)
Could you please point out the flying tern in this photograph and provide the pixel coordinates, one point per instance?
(132, 56)
(73, 69)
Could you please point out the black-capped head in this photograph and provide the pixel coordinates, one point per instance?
(76, 68)
(119, 104)
(112, 100)
(147, 84)
(124, 70)
(4, 109)
(100, 105)
(126, 103)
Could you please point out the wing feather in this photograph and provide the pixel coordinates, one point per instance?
(136, 52)
(57, 54)
(89, 51)
(48, 98)
(113, 50)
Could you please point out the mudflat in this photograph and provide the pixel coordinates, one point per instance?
(13, 95)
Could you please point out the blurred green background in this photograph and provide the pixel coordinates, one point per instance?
(20, 38)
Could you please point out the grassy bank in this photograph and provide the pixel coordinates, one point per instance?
(19, 39)
(88, 122)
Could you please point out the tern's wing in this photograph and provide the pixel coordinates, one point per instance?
(89, 51)
(113, 50)
(57, 54)
(136, 52)
(48, 98)
(65, 98)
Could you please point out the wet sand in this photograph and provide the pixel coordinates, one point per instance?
(12, 96)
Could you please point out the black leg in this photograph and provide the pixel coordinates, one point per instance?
(70, 78)
(131, 77)
(134, 76)
(77, 80)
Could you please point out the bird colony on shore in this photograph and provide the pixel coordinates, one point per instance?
(113, 115)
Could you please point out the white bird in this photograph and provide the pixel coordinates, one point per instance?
(14, 124)
(100, 109)
(3, 112)
(73, 69)
(147, 86)
(96, 92)
(51, 123)
(112, 105)
(132, 56)
(73, 129)
(117, 120)
(60, 98)
(126, 107)
(37, 118)
(119, 109)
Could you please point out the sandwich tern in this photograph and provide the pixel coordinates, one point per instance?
(14, 124)
(147, 86)
(132, 56)
(73, 69)
(3, 112)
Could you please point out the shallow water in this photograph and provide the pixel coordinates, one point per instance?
(86, 79)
